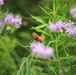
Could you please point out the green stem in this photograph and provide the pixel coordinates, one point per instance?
(31, 59)
(23, 64)
(60, 67)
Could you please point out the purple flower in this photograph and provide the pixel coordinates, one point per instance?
(9, 19)
(73, 11)
(40, 51)
(74, 29)
(71, 31)
(1, 2)
(58, 26)
(17, 21)
(52, 27)
(1, 24)
(69, 24)
(70, 28)
(48, 52)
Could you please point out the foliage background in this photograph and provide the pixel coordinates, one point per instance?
(24, 34)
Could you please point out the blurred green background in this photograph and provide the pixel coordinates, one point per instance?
(24, 34)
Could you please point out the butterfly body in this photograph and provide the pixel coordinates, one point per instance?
(37, 37)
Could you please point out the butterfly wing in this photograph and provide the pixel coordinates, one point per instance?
(41, 38)
(37, 37)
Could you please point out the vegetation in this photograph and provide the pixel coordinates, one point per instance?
(37, 37)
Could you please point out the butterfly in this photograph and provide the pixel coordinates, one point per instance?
(37, 37)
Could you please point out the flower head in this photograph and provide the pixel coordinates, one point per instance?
(59, 25)
(1, 2)
(56, 27)
(71, 31)
(40, 51)
(17, 21)
(48, 51)
(73, 11)
(69, 24)
(9, 19)
(52, 27)
(70, 28)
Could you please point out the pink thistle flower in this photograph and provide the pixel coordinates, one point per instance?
(52, 27)
(70, 28)
(58, 26)
(9, 19)
(69, 24)
(17, 21)
(40, 51)
(74, 30)
(1, 2)
(71, 31)
(48, 52)
(73, 11)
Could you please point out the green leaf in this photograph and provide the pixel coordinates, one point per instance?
(2, 29)
(27, 68)
(53, 69)
(38, 19)
(45, 11)
(3, 45)
(40, 26)
(68, 45)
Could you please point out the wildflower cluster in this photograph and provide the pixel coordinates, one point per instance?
(56, 27)
(40, 51)
(69, 26)
(10, 19)
(16, 21)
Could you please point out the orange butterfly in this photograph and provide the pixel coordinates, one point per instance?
(37, 37)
